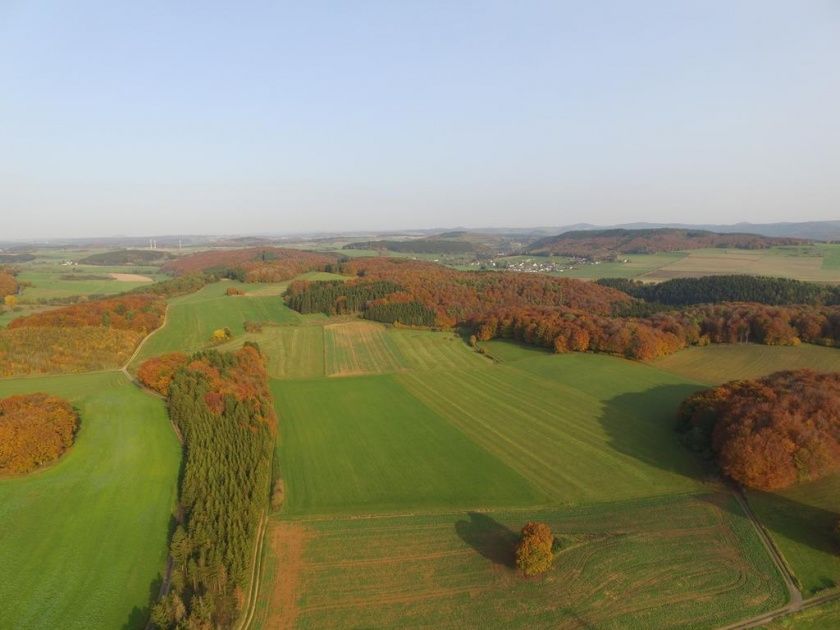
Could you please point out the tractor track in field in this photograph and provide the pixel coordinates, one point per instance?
(796, 602)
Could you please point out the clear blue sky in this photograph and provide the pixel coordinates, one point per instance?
(240, 117)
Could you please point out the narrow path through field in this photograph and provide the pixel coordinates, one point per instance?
(256, 576)
(795, 602)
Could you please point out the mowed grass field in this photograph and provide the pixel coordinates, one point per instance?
(581, 427)
(365, 444)
(667, 562)
(83, 542)
(720, 363)
(816, 263)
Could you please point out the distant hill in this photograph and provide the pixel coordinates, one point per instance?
(478, 242)
(809, 230)
(598, 244)
(417, 246)
(126, 257)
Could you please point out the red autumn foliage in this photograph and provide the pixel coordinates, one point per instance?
(141, 313)
(772, 432)
(8, 284)
(463, 296)
(157, 373)
(240, 375)
(575, 316)
(35, 429)
(253, 264)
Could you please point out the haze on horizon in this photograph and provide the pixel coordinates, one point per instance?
(260, 117)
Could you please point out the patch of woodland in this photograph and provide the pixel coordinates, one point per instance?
(35, 429)
(8, 284)
(126, 257)
(84, 337)
(253, 264)
(174, 287)
(606, 244)
(729, 288)
(222, 407)
(453, 296)
(141, 313)
(769, 433)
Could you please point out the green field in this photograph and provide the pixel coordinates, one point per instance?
(800, 519)
(365, 444)
(667, 562)
(819, 618)
(82, 543)
(360, 347)
(191, 319)
(54, 281)
(580, 427)
(716, 364)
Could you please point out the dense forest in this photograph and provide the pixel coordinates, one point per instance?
(127, 257)
(221, 406)
(180, 285)
(729, 288)
(420, 293)
(418, 246)
(254, 264)
(35, 429)
(769, 433)
(606, 244)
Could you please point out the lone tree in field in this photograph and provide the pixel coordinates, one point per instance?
(534, 554)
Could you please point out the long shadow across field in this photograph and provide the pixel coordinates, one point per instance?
(634, 423)
(490, 538)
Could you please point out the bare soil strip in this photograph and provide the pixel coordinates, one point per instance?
(287, 540)
(130, 277)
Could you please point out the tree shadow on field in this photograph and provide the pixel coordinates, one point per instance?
(138, 618)
(490, 538)
(643, 425)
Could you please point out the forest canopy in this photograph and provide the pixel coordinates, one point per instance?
(728, 288)
(221, 406)
(603, 244)
(769, 433)
(35, 429)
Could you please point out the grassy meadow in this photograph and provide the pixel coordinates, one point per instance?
(83, 542)
(717, 364)
(191, 319)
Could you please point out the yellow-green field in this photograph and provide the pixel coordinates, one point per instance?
(716, 364)
(670, 562)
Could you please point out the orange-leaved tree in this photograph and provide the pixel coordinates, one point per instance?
(157, 373)
(534, 555)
